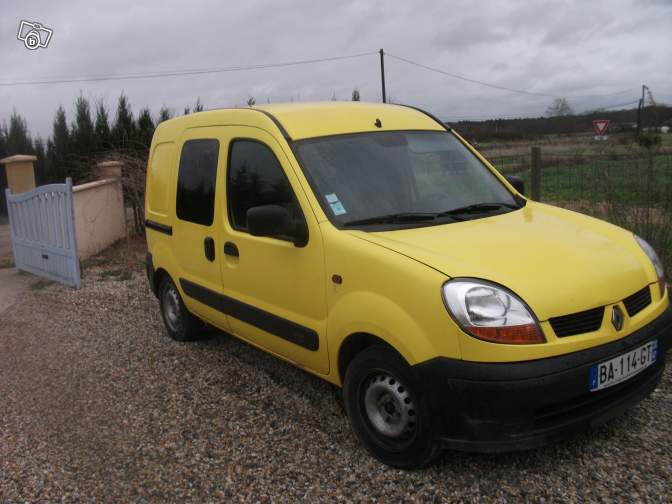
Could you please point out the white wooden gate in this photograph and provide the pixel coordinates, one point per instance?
(43, 232)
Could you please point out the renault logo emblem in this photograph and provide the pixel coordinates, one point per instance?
(617, 318)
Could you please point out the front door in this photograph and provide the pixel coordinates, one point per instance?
(274, 291)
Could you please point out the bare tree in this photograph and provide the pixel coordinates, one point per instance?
(559, 107)
(134, 174)
(355, 94)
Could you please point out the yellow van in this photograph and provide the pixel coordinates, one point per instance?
(370, 245)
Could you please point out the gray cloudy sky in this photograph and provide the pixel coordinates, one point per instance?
(559, 47)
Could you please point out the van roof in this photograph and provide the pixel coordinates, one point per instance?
(312, 119)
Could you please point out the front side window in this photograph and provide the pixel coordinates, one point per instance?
(422, 176)
(256, 178)
(196, 181)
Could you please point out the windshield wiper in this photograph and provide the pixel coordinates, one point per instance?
(478, 208)
(410, 217)
(395, 218)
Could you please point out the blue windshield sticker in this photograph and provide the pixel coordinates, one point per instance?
(336, 206)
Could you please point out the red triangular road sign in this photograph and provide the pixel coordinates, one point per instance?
(601, 126)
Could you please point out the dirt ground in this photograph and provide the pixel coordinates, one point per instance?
(97, 404)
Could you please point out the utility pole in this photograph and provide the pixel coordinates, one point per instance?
(640, 112)
(382, 73)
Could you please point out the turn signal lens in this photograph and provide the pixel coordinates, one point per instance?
(521, 334)
(490, 312)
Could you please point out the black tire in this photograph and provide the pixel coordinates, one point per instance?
(180, 324)
(388, 411)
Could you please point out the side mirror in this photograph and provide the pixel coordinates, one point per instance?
(274, 221)
(516, 182)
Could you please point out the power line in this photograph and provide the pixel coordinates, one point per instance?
(616, 106)
(173, 73)
(496, 86)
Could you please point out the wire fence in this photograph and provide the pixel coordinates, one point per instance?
(632, 191)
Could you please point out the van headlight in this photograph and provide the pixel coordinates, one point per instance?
(490, 312)
(655, 260)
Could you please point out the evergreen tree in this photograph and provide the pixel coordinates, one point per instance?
(145, 128)
(164, 115)
(58, 147)
(123, 131)
(41, 176)
(82, 132)
(199, 106)
(17, 139)
(3, 173)
(355, 94)
(103, 137)
(3, 141)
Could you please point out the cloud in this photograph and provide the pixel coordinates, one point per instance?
(563, 47)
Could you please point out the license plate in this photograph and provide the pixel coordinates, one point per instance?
(624, 366)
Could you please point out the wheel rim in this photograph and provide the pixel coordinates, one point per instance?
(389, 407)
(171, 308)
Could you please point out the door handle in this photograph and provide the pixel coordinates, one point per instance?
(230, 249)
(209, 248)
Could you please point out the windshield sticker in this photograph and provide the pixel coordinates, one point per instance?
(336, 206)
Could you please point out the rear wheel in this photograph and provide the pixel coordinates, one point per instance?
(180, 324)
(387, 410)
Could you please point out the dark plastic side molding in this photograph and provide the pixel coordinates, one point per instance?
(161, 228)
(280, 327)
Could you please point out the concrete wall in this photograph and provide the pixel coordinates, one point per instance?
(99, 215)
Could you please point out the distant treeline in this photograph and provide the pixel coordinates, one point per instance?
(531, 128)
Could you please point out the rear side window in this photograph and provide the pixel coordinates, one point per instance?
(196, 181)
(256, 178)
(161, 169)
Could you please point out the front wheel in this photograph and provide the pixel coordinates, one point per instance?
(387, 410)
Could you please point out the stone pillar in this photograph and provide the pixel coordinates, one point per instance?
(20, 172)
(108, 170)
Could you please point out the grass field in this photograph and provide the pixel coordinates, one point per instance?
(514, 156)
(637, 182)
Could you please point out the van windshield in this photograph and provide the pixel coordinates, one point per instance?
(407, 178)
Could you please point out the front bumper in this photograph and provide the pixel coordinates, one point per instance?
(486, 407)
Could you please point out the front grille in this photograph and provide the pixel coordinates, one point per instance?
(577, 323)
(638, 301)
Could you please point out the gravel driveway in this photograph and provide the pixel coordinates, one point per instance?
(96, 403)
